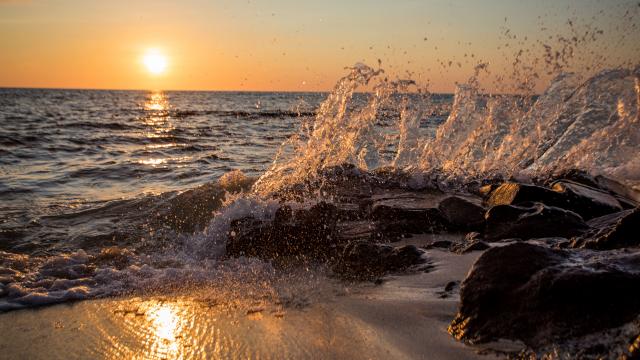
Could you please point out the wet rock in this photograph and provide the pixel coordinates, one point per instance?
(394, 222)
(305, 234)
(575, 175)
(355, 230)
(350, 211)
(472, 236)
(626, 196)
(364, 260)
(618, 189)
(586, 201)
(533, 220)
(462, 213)
(466, 247)
(511, 193)
(613, 231)
(539, 295)
(417, 212)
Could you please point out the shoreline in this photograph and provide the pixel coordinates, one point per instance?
(404, 317)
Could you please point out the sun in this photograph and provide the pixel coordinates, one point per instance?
(155, 62)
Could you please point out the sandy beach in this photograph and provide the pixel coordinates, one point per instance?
(405, 317)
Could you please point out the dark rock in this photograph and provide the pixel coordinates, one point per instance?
(397, 221)
(574, 175)
(611, 231)
(350, 212)
(463, 248)
(306, 234)
(586, 201)
(462, 213)
(626, 203)
(628, 197)
(364, 260)
(539, 295)
(511, 193)
(355, 230)
(621, 190)
(534, 220)
(283, 215)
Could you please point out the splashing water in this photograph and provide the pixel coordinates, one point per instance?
(590, 124)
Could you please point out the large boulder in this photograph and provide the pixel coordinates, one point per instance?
(611, 231)
(462, 213)
(532, 220)
(539, 295)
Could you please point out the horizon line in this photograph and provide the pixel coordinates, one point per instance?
(140, 89)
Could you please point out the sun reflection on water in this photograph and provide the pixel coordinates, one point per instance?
(164, 334)
(158, 126)
(157, 101)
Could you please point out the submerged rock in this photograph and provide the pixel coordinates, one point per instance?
(533, 220)
(539, 295)
(613, 231)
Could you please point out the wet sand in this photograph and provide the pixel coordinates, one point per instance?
(405, 317)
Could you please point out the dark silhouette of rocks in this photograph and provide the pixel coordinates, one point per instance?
(613, 231)
(539, 295)
(366, 260)
(560, 261)
(532, 220)
(586, 201)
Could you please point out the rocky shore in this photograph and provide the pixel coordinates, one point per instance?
(560, 268)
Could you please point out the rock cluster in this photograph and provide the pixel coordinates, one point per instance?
(560, 255)
(571, 266)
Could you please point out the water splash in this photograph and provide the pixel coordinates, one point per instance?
(590, 124)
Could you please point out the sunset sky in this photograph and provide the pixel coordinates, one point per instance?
(286, 44)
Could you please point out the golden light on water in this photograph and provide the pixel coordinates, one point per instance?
(165, 331)
(155, 61)
(158, 125)
(157, 101)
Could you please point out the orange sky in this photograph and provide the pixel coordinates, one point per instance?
(285, 45)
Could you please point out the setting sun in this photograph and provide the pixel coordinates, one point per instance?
(155, 62)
